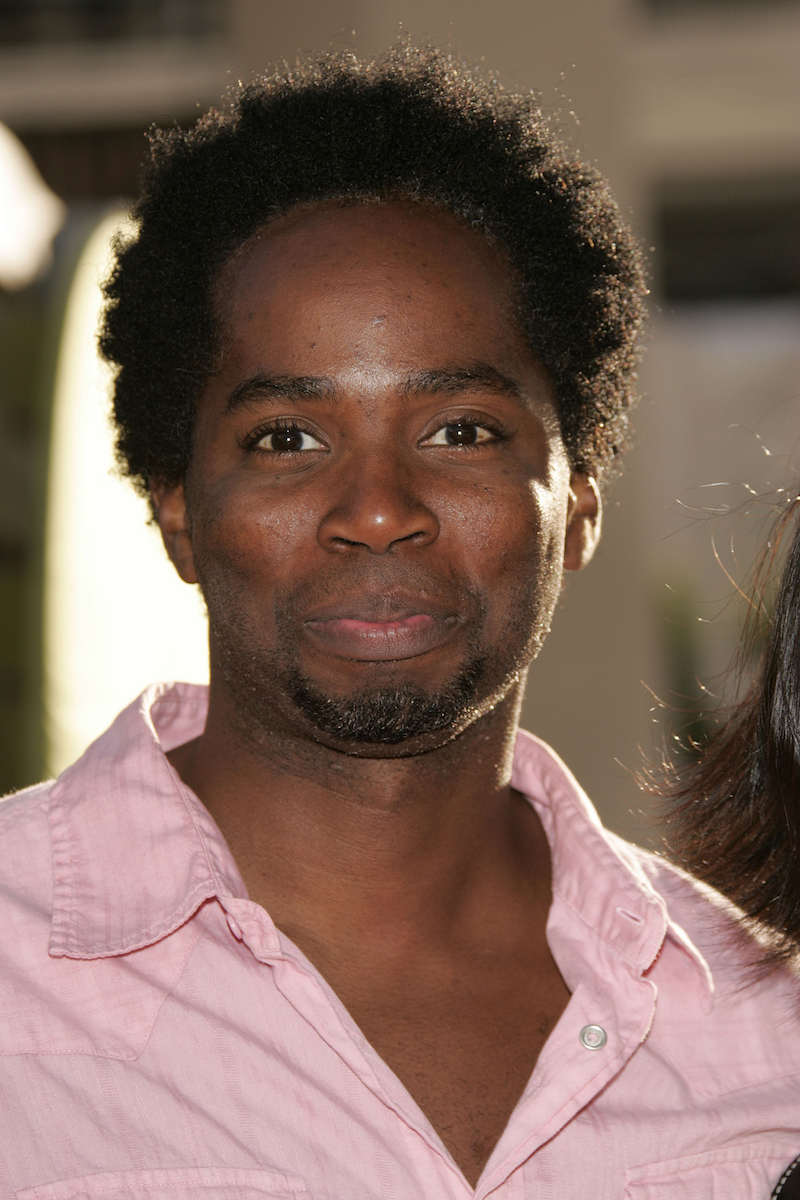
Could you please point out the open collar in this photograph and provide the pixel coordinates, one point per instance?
(135, 853)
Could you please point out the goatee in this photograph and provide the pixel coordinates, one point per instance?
(388, 716)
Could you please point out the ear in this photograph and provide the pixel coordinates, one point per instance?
(584, 519)
(173, 521)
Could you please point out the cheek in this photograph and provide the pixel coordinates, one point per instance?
(510, 531)
(551, 509)
(240, 533)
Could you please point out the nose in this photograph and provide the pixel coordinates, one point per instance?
(376, 507)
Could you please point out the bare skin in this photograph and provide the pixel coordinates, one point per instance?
(387, 528)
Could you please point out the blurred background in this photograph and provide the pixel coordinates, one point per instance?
(690, 107)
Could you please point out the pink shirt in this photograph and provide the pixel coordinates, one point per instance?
(160, 1039)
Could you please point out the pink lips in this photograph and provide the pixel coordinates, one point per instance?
(373, 641)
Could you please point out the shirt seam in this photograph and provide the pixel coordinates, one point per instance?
(67, 947)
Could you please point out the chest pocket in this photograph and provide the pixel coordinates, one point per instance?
(184, 1183)
(744, 1172)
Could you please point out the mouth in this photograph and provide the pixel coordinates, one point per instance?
(380, 631)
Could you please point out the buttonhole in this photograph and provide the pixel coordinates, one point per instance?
(623, 912)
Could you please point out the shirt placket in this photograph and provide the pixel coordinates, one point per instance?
(607, 1018)
(303, 987)
(596, 1035)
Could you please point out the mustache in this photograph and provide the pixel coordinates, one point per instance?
(380, 591)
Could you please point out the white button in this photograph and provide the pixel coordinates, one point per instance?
(593, 1037)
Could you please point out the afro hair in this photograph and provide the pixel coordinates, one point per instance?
(415, 124)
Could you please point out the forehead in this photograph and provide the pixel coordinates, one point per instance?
(371, 264)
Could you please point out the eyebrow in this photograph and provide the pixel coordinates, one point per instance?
(437, 381)
(476, 377)
(282, 387)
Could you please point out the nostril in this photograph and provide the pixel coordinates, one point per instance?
(377, 529)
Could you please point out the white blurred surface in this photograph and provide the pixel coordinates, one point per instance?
(117, 617)
(30, 215)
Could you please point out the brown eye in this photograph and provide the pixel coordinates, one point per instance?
(286, 439)
(290, 440)
(460, 433)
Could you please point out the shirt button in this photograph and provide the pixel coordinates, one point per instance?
(593, 1037)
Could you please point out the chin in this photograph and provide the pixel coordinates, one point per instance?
(390, 722)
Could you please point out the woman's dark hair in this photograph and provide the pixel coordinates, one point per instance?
(415, 124)
(733, 813)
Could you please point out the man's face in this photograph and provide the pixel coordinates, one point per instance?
(378, 492)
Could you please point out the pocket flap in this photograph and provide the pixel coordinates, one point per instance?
(182, 1183)
(748, 1171)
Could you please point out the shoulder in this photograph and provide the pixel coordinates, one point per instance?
(26, 865)
(16, 805)
(693, 904)
(736, 1036)
(56, 1003)
(26, 904)
(25, 854)
(713, 927)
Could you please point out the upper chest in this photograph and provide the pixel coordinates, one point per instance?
(250, 1060)
(463, 1037)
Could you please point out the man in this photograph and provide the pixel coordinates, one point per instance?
(332, 929)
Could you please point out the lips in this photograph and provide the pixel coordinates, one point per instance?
(380, 631)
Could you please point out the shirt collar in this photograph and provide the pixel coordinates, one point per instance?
(135, 853)
(596, 876)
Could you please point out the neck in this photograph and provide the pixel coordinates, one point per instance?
(329, 841)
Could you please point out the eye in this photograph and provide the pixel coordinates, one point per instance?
(461, 433)
(289, 439)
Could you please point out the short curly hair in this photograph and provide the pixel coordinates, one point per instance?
(416, 124)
